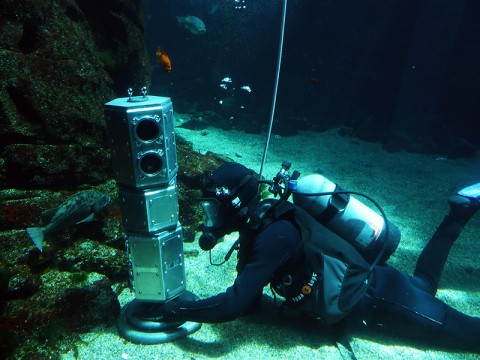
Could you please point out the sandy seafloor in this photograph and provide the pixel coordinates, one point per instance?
(412, 188)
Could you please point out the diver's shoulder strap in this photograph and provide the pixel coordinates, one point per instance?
(282, 209)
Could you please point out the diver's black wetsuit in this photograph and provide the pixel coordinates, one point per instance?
(271, 249)
(394, 298)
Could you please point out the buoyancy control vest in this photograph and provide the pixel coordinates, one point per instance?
(327, 277)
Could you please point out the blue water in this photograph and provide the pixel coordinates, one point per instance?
(403, 73)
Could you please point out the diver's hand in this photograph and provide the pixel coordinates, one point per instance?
(159, 312)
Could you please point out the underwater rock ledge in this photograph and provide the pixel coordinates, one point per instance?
(60, 61)
(29, 278)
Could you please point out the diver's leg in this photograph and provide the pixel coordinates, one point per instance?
(432, 260)
(395, 305)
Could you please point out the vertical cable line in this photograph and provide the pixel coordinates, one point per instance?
(275, 88)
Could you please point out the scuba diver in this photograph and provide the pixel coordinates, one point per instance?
(318, 272)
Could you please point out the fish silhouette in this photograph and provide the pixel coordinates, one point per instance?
(193, 24)
(79, 208)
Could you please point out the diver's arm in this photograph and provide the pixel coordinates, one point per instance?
(273, 246)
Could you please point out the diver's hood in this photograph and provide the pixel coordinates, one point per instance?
(229, 196)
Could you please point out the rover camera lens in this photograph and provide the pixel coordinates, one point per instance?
(147, 130)
(151, 164)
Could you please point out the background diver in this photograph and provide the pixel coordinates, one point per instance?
(316, 271)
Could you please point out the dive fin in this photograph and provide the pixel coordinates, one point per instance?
(472, 191)
(37, 235)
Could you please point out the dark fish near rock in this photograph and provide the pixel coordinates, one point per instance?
(79, 208)
(192, 24)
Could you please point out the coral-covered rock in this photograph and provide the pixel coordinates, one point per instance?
(65, 303)
(60, 61)
(93, 256)
(22, 283)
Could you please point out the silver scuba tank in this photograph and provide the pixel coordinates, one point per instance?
(346, 216)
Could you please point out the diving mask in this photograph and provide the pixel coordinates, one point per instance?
(212, 217)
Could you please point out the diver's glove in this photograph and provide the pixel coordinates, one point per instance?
(170, 315)
(158, 312)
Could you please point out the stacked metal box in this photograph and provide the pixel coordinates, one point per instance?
(144, 157)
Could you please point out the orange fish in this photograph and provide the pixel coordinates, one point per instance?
(163, 60)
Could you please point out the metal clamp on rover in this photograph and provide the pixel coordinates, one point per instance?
(142, 142)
